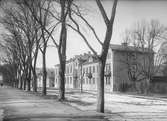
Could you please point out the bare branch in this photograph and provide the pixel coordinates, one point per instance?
(103, 13)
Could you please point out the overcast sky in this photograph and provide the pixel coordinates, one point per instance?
(128, 12)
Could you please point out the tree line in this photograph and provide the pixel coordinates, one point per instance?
(31, 24)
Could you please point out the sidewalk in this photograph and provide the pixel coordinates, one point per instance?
(20, 105)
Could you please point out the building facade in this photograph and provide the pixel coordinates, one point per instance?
(82, 71)
(50, 80)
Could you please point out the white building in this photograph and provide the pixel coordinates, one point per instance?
(82, 71)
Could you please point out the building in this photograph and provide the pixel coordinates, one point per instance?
(82, 71)
(50, 81)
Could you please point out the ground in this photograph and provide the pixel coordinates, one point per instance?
(121, 107)
(18, 105)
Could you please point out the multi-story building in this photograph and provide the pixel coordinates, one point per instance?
(122, 63)
(50, 80)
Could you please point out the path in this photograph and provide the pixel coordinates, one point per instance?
(20, 105)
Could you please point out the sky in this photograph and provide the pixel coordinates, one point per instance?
(128, 13)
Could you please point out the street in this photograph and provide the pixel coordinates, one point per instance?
(18, 105)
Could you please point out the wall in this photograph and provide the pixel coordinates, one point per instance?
(121, 65)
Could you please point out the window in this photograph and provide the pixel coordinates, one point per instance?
(71, 80)
(86, 80)
(134, 68)
(134, 57)
(70, 69)
(67, 70)
(93, 69)
(93, 80)
(108, 81)
(90, 81)
(83, 70)
(97, 68)
(89, 69)
(83, 81)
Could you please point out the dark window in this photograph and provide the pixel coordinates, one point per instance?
(89, 69)
(83, 70)
(93, 80)
(83, 81)
(93, 69)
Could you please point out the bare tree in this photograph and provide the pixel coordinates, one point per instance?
(109, 22)
(65, 5)
(21, 25)
(39, 11)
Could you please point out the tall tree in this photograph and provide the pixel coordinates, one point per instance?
(64, 5)
(19, 22)
(39, 11)
(109, 23)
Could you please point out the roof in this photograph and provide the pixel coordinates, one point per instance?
(82, 57)
(87, 62)
(117, 47)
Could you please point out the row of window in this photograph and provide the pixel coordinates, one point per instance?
(68, 80)
(89, 81)
(85, 81)
(90, 69)
(92, 81)
(69, 69)
(94, 69)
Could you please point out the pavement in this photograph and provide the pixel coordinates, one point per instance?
(19, 105)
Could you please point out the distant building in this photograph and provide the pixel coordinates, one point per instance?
(50, 77)
(83, 70)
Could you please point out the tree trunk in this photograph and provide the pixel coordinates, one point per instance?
(29, 80)
(44, 75)
(34, 70)
(62, 82)
(20, 79)
(62, 57)
(34, 80)
(21, 83)
(62, 51)
(100, 100)
(24, 85)
(81, 79)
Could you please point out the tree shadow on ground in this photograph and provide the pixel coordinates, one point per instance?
(79, 102)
